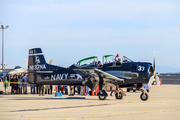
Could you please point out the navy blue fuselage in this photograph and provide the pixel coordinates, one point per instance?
(39, 72)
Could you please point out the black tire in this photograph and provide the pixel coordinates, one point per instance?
(128, 90)
(119, 96)
(102, 97)
(144, 96)
(134, 90)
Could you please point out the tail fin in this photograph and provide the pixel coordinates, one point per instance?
(36, 60)
(37, 66)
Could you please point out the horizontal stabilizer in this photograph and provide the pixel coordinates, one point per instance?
(51, 62)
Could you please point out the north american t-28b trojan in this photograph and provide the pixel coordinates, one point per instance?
(87, 73)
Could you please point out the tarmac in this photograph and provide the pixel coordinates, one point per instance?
(163, 104)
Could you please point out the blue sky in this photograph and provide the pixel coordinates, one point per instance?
(68, 31)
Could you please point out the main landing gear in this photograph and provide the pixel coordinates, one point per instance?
(144, 96)
(119, 95)
(103, 94)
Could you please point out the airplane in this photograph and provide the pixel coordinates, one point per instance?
(86, 72)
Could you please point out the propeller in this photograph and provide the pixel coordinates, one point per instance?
(154, 75)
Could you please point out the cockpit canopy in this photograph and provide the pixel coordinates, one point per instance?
(126, 59)
(107, 59)
(90, 61)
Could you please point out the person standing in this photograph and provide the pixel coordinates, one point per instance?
(51, 87)
(24, 80)
(62, 89)
(6, 85)
(72, 90)
(87, 90)
(37, 89)
(19, 84)
(66, 90)
(79, 90)
(32, 88)
(41, 90)
(15, 84)
(12, 84)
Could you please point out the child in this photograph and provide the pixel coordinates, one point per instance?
(6, 85)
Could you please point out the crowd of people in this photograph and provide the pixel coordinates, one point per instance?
(18, 83)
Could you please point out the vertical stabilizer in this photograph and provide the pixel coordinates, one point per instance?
(36, 60)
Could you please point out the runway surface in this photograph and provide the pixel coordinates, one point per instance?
(163, 104)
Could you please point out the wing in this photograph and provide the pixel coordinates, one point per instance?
(108, 77)
(94, 77)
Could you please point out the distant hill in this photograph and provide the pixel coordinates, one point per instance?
(167, 69)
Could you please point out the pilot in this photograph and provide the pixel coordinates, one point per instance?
(99, 64)
(116, 58)
(118, 62)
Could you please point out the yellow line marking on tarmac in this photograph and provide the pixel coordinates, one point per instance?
(83, 115)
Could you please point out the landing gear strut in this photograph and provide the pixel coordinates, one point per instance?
(144, 96)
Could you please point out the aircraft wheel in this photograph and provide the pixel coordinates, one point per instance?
(134, 90)
(119, 95)
(102, 97)
(128, 90)
(144, 96)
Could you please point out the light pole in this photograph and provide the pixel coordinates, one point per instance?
(2, 27)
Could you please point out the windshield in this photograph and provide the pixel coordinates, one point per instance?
(108, 58)
(126, 59)
(88, 61)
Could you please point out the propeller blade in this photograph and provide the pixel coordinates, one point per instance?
(157, 80)
(151, 81)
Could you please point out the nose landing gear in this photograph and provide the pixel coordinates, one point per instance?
(144, 96)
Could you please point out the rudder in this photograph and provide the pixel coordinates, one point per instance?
(36, 60)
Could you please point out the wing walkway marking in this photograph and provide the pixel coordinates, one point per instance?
(83, 115)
